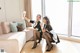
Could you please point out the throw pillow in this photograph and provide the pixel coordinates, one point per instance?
(13, 27)
(20, 27)
(5, 27)
(23, 24)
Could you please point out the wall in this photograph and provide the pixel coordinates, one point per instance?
(11, 10)
(2, 14)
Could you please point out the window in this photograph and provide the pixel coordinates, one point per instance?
(36, 8)
(76, 19)
(57, 11)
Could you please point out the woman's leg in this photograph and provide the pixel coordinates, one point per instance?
(36, 36)
(50, 36)
(58, 41)
(39, 36)
(45, 36)
(35, 39)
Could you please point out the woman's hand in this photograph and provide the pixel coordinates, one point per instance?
(27, 19)
(44, 30)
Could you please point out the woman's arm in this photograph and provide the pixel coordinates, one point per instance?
(27, 19)
(31, 21)
(43, 28)
(47, 28)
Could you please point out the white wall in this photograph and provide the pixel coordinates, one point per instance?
(13, 10)
(2, 11)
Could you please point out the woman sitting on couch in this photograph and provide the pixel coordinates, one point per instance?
(37, 33)
(46, 30)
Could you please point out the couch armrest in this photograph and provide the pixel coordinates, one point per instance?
(10, 46)
(29, 34)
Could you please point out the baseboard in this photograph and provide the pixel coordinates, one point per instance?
(69, 38)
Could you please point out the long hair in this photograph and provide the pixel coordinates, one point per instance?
(49, 27)
(47, 20)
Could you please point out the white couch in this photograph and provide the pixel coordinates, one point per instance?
(14, 42)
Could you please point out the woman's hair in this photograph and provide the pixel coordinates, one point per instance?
(47, 20)
(49, 27)
(39, 15)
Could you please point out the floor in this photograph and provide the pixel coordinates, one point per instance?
(63, 47)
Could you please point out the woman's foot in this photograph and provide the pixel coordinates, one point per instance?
(35, 45)
(39, 41)
(49, 48)
(58, 42)
(40, 38)
(53, 41)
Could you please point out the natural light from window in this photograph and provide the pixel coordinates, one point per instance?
(76, 19)
(57, 11)
(36, 8)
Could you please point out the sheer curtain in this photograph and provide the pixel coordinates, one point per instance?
(57, 11)
(76, 19)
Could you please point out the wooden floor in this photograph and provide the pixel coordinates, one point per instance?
(63, 47)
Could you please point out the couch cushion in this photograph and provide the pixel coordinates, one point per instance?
(13, 27)
(20, 38)
(5, 27)
(1, 29)
(23, 24)
(14, 35)
(20, 27)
